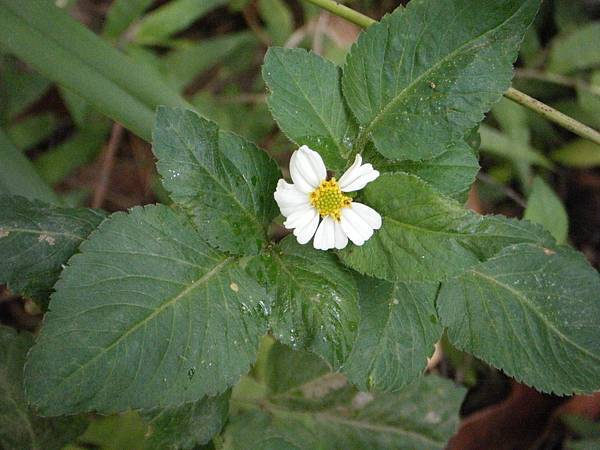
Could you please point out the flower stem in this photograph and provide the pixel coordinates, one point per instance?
(516, 96)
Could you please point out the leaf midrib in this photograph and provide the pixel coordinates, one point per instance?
(362, 137)
(537, 313)
(202, 280)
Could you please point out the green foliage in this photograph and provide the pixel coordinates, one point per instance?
(306, 101)
(315, 301)
(278, 18)
(398, 330)
(544, 207)
(36, 240)
(452, 172)
(323, 411)
(532, 312)
(20, 429)
(188, 425)
(224, 182)
(170, 18)
(427, 237)
(576, 51)
(181, 321)
(578, 153)
(415, 100)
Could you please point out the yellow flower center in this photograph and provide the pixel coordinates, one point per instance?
(329, 200)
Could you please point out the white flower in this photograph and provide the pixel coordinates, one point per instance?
(312, 197)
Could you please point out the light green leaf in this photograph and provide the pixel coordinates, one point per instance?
(278, 19)
(427, 237)
(532, 312)
(306, 101)
(172, 17)
(146, 316)
(579, 153)
(315, 300)
(19, 427)
(224, 182)
(36, 240)
(544, 207)
(116, 432)
(576, 51)
(121, 15)
(452, 173)
(398, 330)
(328, 414)
(425, 75)
(32, 130)
(505, 146)
(188, 425)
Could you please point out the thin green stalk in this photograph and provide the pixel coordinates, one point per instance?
(516, 96)
(552, 114)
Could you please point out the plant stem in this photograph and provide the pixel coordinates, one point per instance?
(516, 96)
(552, 114)
(344, 12)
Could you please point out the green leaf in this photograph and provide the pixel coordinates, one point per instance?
(425, 75)
(306, 101)
(151, 307)
(19, 427)
(17, 175)
(428, 237)
(36, 240)
(32, 130)
(329, 414)
(289, 369)
(117, 432)
(500, 144)
(452, 173)
(315, 300)
(398, 330)
(278, 19)
(188, 425)
(576, 51)
(225, 182)
(121, 15)
(64, 51)
(544, 207)
(172, 17)
(579, 153)
(532, 312)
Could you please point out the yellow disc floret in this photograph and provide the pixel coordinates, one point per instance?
(329, 200)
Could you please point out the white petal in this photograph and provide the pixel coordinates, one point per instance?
(325, 235)
(368, 214)
(357, 229)
(289, 199)
(305, 233)
(307, 169)
(341, 239)
(357, 176)
(300, 218)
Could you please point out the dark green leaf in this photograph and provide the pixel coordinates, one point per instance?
(532, 312)
(398, 330)
(329, 414)
(36, 240)
(315, 300)
(121, 15)
(306, 101)
(427, 237)
(425, 75)
(224, 182)
(452, 172)
(20, 429)
(188, 425)
(146, 316)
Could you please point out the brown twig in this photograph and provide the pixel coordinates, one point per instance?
(108, 162)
